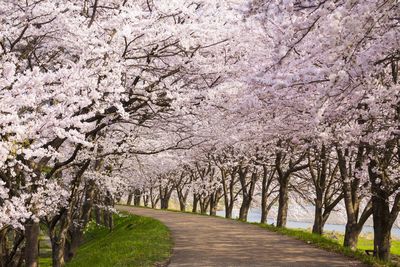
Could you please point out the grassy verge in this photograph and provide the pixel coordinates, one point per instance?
(44, 250)
(327, 243)
(135, 241)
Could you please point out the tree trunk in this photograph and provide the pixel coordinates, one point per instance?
(97, 215)
(182, 205)
(57, 252)
(228, 211)
(182, 197)
(352, 199)
(215, 197)
(264, 213)
(213, 208)
(11, 241)
(318, 220)
(137, 197)
(283, 202)
(264, 200)
(146, 200)
(164, 203)
(153, 199)
(382, 230)
(195, 203)
(244, 209)
(381, 213)
(76, 238)
(351, 235)
(110, 221)
(129, 201)
(76, 231)
(3, 247)
(31, 244)
(265, 194)
(204, 205)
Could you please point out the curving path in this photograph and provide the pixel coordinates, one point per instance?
(209, 241)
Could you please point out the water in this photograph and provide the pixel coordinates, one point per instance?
(255, 216)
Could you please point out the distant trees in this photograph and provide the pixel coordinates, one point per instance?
(212, 101)
(86, 86)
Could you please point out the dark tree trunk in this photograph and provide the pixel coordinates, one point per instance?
(110, 221)
(382, 229)
(31, 244)
(195, 203)
(11, 256)
(215, 197)
(146, 200)
(105, 217)
(283, 202)
(264, 213)
(213, 209)
(182, 197)
(266, 192)
(244, 209)
(182, 205)
(58, 230)
(352, 199)
(264, 200)
(165, 195)
(97, 215)
(57, 253)
(204, 203)
(283, 179)
(247, 189)
(351, 235)
(137, 197)
(3, 247)
(318, 216)
(129, 201)
(75, 240)
(153, 198)
(76, 231)
(228, 211)
(228, 193)
(164, 203)
(381, 212)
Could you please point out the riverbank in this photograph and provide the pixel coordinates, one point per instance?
(301, 223)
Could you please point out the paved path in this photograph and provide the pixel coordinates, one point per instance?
(207, 241)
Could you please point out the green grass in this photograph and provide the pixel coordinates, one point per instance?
(330, 244)
(134, 241)
(365, 243)
(44, 251)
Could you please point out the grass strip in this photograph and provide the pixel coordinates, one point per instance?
(134, 241)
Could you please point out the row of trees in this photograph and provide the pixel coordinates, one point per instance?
(319, 121)
(215, 99)
(85, 87)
